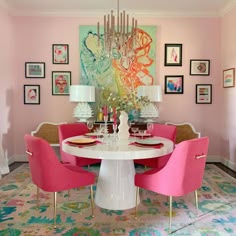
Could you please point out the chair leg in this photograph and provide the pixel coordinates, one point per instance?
(37, 197)
(55, 209)
(92, 200)
(170, 213)
(196, 200)
(136, 206)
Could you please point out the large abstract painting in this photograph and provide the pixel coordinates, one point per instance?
(121, 74)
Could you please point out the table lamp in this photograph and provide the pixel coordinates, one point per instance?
(82, 94)
(154, 94)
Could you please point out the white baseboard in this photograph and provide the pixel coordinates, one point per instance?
(18, 158)
(222, 160)
(229, 164)
(210, 159)
(23, 158)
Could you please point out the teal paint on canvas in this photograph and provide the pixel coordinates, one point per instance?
(121, 74)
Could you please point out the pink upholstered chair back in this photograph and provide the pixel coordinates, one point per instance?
(73, 129)
(184, 171)
(69, 130)
(187, 165)
(46, 170)
(165, 131)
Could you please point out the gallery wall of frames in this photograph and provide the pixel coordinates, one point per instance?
(61, 80)
(173, 83)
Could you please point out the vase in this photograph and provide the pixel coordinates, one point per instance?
(123, 127)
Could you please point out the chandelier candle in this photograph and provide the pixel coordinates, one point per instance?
(118, 35)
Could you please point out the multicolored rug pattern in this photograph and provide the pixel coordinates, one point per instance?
(19, 214)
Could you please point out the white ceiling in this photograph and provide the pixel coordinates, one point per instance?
(136, 7)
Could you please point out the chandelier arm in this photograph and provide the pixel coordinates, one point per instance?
(119, 37)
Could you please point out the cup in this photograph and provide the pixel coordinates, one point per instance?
(142, 132)
(150, 127)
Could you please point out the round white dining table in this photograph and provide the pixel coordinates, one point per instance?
(115, 188)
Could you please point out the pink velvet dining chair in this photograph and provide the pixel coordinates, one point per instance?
(69, 130)
(164, 131)
(182, 174)
(50, 175)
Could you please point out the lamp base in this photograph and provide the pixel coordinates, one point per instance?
(82, 120)
(149, 112)
(82, 112)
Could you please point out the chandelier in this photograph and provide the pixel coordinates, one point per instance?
(119, 37)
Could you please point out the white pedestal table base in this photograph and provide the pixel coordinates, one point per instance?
(115, 188)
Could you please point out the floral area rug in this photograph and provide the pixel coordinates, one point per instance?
(19, 214)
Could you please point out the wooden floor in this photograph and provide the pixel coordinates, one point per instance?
(226, 169)
(14, 165)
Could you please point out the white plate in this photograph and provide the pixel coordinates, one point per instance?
(148, 142)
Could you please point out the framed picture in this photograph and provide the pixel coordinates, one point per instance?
(203, 93)
(228, 78)
(60, 54)
(173, 54)
(200, 67)
(35, 70)
(174, 84)
(31, 94)
(61, 81)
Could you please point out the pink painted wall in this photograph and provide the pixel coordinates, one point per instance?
(201, 39)
(7, 87)
(228, 95)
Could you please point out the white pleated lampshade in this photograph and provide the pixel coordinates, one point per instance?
(82, 93)
(153, 92)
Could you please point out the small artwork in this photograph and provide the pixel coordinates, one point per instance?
(35, 70)
(174, 84)
(31, 94)
(61, 81)
(173, 54)
(203, 93)
(228, 78)
(200, 67)
(60, 54)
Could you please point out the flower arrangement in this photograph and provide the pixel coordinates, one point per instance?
(125, 103)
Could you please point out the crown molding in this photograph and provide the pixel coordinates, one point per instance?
(3, 4)
(230, 6)
(99, 13)
(152, 13)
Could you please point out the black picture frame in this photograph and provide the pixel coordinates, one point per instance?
(203, 93)
(60, 53)
(61, 81)
(174, 84)
(200, 67)
(229, 78)
(31, 94)
(35, 70)
(173, 54)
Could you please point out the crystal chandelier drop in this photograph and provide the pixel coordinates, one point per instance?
(119, 38)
